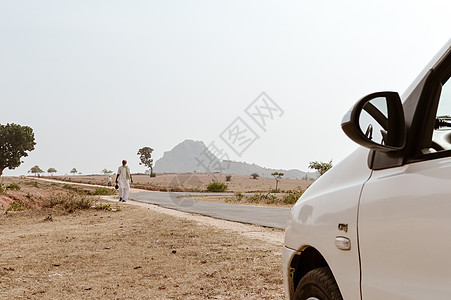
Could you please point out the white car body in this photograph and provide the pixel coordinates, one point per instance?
(381, 223)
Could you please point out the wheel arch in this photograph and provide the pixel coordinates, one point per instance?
(304, 261)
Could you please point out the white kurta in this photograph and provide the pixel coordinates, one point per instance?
(124, 177)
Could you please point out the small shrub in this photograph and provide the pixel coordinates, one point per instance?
(15, 206)
(265, 198)
(255, 176)
(276, 191)
(153, 175)
(228, 177)
(68, 186)
(217, 186)
(292, 196)
(254, 198)
(13, 186)
(239, 196)
(102, 206)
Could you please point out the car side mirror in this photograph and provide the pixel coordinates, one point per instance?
(377, 122)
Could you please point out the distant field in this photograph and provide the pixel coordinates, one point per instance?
(197, 182)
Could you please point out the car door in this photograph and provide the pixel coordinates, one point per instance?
(404, 222)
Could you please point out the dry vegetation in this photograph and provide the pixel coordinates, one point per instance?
(197, 182)
(129, 252)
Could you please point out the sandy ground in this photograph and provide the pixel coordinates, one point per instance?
(138, 251)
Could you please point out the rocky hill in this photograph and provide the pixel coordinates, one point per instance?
(194, 156)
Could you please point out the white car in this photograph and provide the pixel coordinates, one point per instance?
(378, 224)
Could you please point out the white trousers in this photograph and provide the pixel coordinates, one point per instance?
(123, 193)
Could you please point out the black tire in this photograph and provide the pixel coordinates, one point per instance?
(318, 284)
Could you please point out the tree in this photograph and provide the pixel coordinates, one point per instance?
(321, 167)
(36, 170)
(106, 171)
(255, 176)
(51, 171)
(277, 177)
(74, 171)
(145, 155)
(15, 141)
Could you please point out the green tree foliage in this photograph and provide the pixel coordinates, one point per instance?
(277, 177)
(145, 156)
(321, 167)
(36, 170)
(74, 171)
(51, 171)
(255, 176)
(15, 141)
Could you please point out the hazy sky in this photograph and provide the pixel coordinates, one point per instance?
(97, 80)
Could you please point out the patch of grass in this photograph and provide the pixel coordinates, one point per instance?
(216, 187)
(102, 206)
(2, 188)
(15, 206)
(68, 186)
(13, 186)
(32, 183)
(103, 191)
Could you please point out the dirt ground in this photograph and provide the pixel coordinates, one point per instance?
(134, 252)
(197, 182)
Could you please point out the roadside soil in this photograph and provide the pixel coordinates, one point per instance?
(134, 251)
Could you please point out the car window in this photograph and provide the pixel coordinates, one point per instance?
(441, 138)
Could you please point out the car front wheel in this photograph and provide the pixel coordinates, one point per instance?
(318, 284)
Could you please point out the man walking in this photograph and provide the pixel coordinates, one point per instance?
(125, 177)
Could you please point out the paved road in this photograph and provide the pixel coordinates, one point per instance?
(265, 216)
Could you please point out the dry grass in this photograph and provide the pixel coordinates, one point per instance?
(131, 253)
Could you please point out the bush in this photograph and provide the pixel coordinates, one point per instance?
(13, 186)
(255, 176)
(102, 206)
(217, 186)
(70, 202)
(103, 191)
(228, 177)
(292, 196)
(239, 196)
